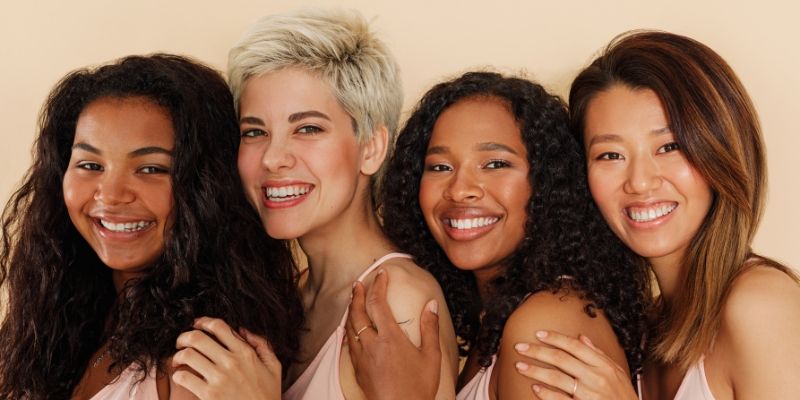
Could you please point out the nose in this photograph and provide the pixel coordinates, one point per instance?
(114, 188)
(644, 176)
(277, 156)
(463, 186)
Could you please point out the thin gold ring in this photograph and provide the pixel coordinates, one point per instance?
(358, 332)
(574, 387)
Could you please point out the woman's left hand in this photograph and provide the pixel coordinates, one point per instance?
(223, 364)
(581, 369)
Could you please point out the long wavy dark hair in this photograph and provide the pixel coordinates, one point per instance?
(564, 233)
(218, 261)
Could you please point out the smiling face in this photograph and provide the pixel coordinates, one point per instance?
(117, 187)
(646, 189)
(299, 159)
(474, 190)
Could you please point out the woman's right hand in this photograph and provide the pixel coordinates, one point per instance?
(215, 362)
(581, 369)
(387, 364)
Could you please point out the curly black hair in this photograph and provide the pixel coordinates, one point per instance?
(564, 232)
(218, 261)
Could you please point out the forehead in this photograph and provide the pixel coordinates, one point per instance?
(476, 120)
(125, 123)
(286, 91)
(623, 111)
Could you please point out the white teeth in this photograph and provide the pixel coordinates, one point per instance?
(471, 223)
(646, 215)
(285, 193)
(126, 227)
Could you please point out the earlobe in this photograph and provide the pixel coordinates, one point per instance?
(374, 151)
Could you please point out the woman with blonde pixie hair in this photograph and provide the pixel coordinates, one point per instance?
(676, 165)
(319, 98)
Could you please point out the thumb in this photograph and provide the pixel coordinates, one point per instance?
(429, 329)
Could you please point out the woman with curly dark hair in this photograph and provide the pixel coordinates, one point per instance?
(120, 236)
(486, 189)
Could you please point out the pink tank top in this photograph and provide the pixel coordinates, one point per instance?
(695, 385)
(320, 380)
(128, 387)
(478, 387)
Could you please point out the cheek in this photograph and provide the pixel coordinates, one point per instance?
(428, 193)
(74, 193)
(249, 164)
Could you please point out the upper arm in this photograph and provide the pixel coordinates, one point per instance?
(760, 325)
(410, 288)
(561, 312)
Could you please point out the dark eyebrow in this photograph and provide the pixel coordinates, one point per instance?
(86, 147)
(251, 120)
(149, 150)
(437, 150)
(136, 153)
(306, 114)
(605, 138)
(492, 146)
(661, 131)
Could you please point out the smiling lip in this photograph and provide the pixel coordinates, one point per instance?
(465, 225)
(122, 228)
(650, 214)
(284, 194)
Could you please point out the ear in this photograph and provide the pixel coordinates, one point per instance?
(374, 151)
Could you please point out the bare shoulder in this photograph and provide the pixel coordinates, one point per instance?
(410, 288)
(763, 294)
(758, 333)
(409, 284)
(564, 311)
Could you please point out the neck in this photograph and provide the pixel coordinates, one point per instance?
(483, 278)
(341, 250)
(668, 271)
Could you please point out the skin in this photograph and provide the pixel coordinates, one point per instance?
(118, 172)
(296, 137)
(763, 304)
(477, 155)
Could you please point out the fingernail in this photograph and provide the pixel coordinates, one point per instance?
(586, 340)
(354, 284)
(380, 271)
(521, 366)
(433, 306)
(537, 388)
(541, 334)
(522, 346)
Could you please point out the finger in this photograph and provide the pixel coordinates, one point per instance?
(190, 382)
(548, 376)
(556, 358)
(263, 350)
(577, 348)
(358, 319)
(222, 332)
(378, 308)
(546, 394)
(429, 330)
(191, 358)
(203, 343)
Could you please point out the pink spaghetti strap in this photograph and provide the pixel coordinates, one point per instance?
(369, 270)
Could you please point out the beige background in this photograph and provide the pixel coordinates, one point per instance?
(41, 41)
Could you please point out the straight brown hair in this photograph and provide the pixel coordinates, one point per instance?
(717, 128)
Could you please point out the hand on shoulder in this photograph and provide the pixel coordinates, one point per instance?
(564, 312)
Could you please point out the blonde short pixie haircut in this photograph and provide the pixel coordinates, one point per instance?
(338, 46)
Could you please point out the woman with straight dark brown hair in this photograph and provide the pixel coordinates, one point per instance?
(676, 164)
